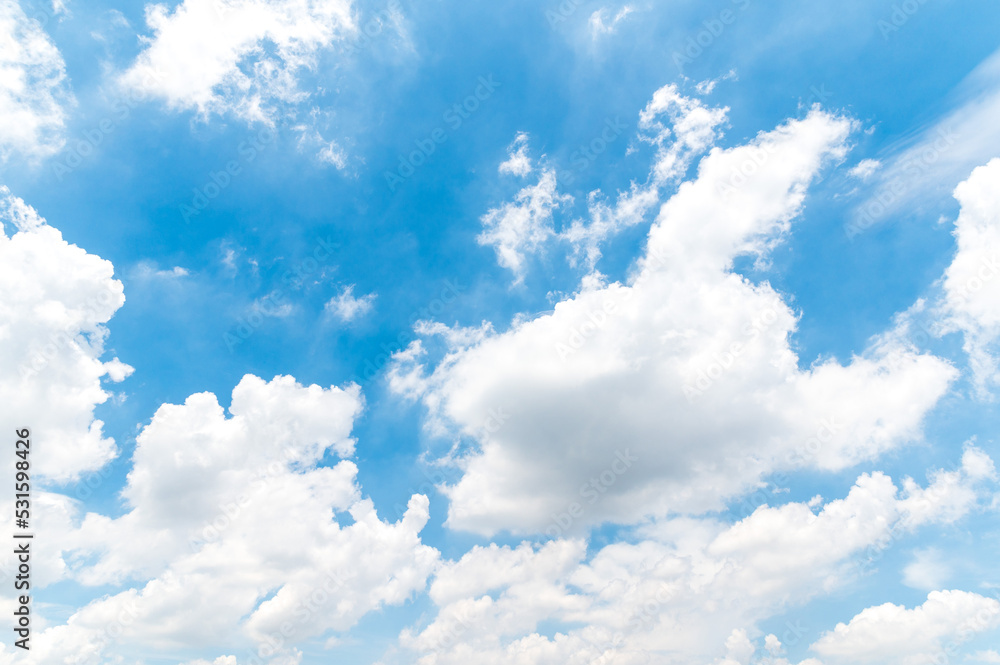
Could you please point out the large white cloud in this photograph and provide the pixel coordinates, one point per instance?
(679, 388)
(893, 635)
(236, 56)
(237, 536)
(56, 301)
(237, 539)
(33, 88)
(681, 590)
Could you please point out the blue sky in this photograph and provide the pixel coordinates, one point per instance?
(372, 221)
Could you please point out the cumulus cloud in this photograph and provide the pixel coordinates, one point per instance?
(971, 299)
(348, 308)
(242, 505)
(242, 57)
(683, 590)
(33, 87)
(241, 501)
(57, 300)
(685, 368)
(893, 635)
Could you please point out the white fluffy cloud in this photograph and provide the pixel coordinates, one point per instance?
(893, 635)
(686, 369)
(239, 505)
(33, 89)
(972, 281)
(56, 301)
(235, 56)
(682, 590)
